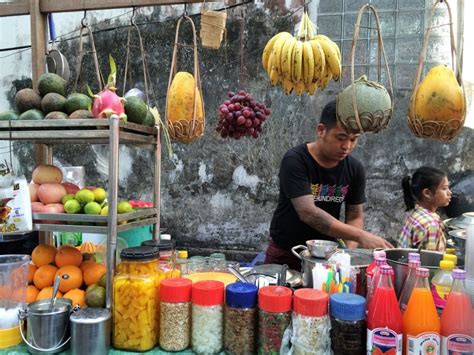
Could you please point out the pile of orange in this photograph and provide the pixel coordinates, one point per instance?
(67, 262)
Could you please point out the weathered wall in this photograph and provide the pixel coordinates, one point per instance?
(220, 194)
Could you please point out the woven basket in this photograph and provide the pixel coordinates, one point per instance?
(444, 131)
(212, 28)
(185, 131)
(357, 120)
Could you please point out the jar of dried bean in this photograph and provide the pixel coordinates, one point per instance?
(240, 318)
(207, 317)
(136, 301)
(348, 327)
(310, 322)
(175, 314)
(274, 315)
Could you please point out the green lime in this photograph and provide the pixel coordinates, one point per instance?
(84, 196)
(99, 195)
(92, 208)
(124, 207)
(72, 206)
(67, 197)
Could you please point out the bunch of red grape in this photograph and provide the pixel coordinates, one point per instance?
(241, 116)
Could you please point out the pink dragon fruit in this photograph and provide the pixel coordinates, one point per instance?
(107, 102)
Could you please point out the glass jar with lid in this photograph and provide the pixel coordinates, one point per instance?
(240, 318)
(175, 314)
(217, 262)
(136, 299)
(167, 256)
(207, 316)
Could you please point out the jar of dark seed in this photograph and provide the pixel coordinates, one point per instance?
(348, 327)
(240, 318)
(175, 314)
(274, 315)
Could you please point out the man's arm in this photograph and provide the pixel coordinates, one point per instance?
(355, 218)
(323, 222)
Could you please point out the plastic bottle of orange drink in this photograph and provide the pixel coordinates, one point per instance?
(457, 323)
(421, 324)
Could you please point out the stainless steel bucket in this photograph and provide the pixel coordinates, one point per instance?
(47, 328)
(93, 324)
(398, 259)
(360, 259)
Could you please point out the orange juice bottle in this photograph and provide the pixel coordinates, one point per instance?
(421, 324)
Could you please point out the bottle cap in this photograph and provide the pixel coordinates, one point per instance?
(182, 254)
(176, 290)
(380, 261)
(386, 269)
(450, 251)
(459, 274)
(241, 295)
(451, 257)
(381, 256)
(310, 302)
(422, 272)
(413, 256)
(446, 265)
(414, 264)
(276, 299)
(380, 253)
(160, 245)
(139, 253)
(208, 293)
(347, 306)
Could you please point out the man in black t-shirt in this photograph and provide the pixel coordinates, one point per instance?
(315, 180)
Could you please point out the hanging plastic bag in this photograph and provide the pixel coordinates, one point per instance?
(15, 205)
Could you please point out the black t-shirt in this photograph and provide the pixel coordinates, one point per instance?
(301, 175)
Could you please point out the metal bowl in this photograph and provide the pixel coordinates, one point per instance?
(321, 248)
(459, 238)
(461, 222)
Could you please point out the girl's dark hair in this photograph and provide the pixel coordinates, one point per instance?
(425, 177)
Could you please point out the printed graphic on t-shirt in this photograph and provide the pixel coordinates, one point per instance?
(329, 193)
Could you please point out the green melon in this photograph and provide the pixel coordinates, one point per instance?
(32, 115)
(8, 115)
(50, 82)
(52, 102)
(77, 101)
(56, 115)
(136, 109)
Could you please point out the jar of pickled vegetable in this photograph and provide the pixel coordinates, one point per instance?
(136, 300)
(167, 256)
(240, 318)
(175, 315)
(274, 315)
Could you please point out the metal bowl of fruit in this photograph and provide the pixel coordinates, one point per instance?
(321, 248)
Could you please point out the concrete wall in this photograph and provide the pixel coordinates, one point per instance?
(220, 194)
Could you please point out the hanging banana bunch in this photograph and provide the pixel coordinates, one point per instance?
(302, 63)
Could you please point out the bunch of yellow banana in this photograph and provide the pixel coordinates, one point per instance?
(302, 63)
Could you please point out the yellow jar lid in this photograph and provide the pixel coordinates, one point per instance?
(10, 337)
(451, 257)
(182, 254)
(450, 251)
(446, 265)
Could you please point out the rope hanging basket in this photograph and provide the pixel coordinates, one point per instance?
(443, 120)
(185, 115)
(212, 28)
(366, 106)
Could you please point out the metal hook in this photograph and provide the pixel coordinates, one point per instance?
(185, 11)
(83, 21)
(132, 20)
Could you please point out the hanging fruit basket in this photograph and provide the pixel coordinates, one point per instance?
(185, 114)
(437, 107)
(212, 28)
(365, 105)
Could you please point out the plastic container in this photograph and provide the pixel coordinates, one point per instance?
(175, 314)
(451, 257)
(384, 318)
(240, 318)
(407, 288)
(421, 325)
(348, 326)
(441, 284)
(93, 324)
(167, 258)
(207, 317)
(134, 237)
(217, 262)
(136, 300)
(310, 322)
(457, 326)
(374, 280)
(274, 316)
(182, 260)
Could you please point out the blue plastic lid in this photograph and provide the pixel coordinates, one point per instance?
(241, 295)
(347, 306)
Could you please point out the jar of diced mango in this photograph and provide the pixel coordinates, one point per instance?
(136, 299)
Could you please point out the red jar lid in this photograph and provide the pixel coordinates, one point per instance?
(177, 290)
(276, 299)
(208, 293)
(310, 302)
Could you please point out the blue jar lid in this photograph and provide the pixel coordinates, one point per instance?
(241, 295)
(347, 306)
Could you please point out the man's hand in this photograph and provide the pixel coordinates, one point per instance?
(372, 241)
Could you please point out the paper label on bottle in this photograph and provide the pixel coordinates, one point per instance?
(383, 340)
(459, 344)
(440, 295)
(425, 343)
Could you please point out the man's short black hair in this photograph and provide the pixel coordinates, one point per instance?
(328, 116)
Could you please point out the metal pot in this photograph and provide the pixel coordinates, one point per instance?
(360, 259)
(459, 239)
(398, 260)
(93, 324)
